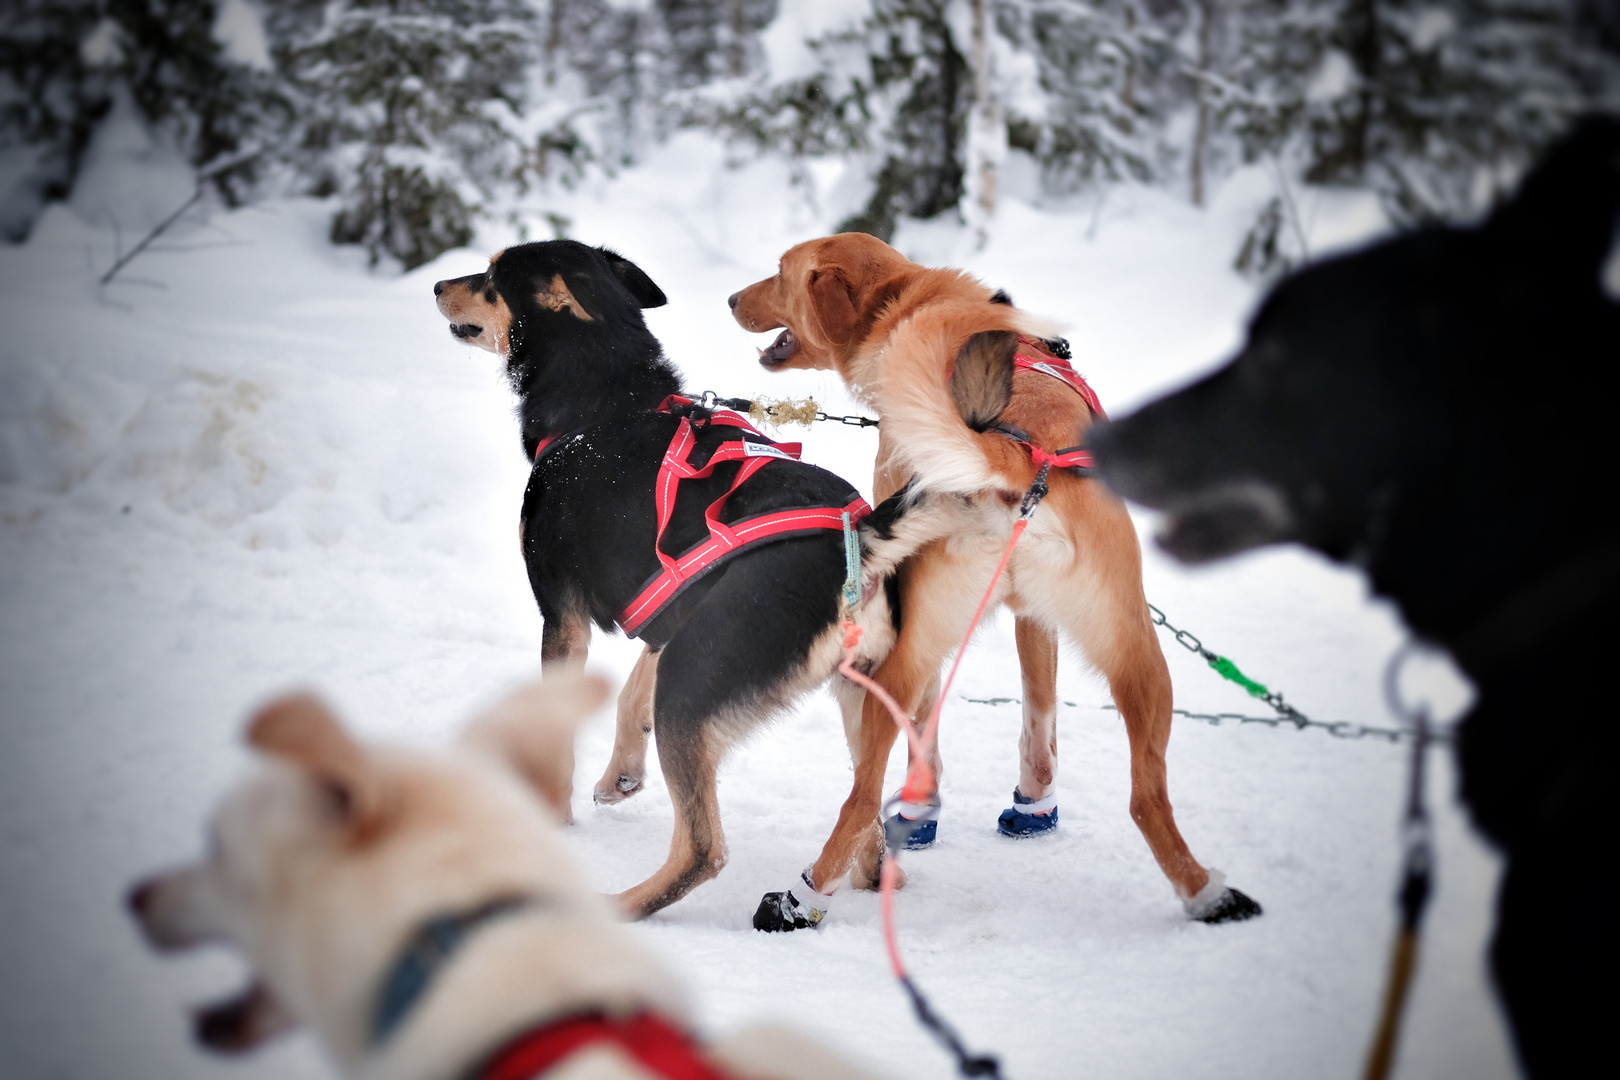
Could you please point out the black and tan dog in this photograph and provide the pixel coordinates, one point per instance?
(601, 519)
(1428, 410)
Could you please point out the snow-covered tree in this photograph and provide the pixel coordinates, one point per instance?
(407, 111)
(62, 62)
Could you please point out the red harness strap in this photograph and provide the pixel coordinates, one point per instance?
(723, 539)
(1033, 356)
(655, 1044)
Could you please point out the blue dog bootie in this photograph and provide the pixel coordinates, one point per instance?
(913, 826)
(1028, 817)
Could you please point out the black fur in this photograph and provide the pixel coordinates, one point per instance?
(1430, 410)
(734, 635)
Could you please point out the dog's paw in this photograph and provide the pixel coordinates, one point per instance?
(1233, 905)
(1028, 817)
(777, 912)
(786, 911)
(616, 791)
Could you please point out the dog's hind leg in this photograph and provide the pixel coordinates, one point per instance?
(1113, 628)
(763, 634)
(935, 617)
(690, 756)
(1140, 682)
(1037, 742)
(627, 768)
(869, 851)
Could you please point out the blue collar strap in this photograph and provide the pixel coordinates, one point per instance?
(425, 954)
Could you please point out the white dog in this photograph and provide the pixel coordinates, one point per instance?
(418, 910)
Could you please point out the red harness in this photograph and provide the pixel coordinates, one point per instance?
(655, 1044)
(723, 539)
(1033, 356)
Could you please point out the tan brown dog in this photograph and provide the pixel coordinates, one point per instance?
(899, 333)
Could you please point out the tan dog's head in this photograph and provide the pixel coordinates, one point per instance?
(321, 864)
(827, 296)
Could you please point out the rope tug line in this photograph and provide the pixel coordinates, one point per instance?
(920, 786)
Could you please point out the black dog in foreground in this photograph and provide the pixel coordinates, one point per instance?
(1430, 410)
(673, 521)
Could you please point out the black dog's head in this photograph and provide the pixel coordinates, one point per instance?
(1409, 386)
(550, 288)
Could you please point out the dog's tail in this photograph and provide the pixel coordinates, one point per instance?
(944, 377)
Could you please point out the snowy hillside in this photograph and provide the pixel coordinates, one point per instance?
(250, 463)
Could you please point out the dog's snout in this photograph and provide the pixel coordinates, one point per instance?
(732, 300)
(139, 897)
(438, 287)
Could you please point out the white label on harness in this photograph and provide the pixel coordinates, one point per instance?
(754, 449)
(1050, 370)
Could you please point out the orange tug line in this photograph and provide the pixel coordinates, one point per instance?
(919, 786)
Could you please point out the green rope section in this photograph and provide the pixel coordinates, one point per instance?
(852, 566)
(1229, 671)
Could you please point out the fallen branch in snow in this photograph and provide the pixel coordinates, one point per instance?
(203, 177)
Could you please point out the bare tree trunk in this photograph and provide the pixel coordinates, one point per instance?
(1127, 93)
(553, 40)
(986, 132)
(737, 47)
(1200, 147)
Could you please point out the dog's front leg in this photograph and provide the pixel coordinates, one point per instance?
(627, 768)
(565, 639)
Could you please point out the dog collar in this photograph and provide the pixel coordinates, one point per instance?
(653, 1042)
(425, 954)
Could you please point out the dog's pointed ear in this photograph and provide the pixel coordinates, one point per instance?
(635, 279)
(300, 730)
(1572, 196)
(532, 729)
(981, 381)
(832, 298)
(243, 1022)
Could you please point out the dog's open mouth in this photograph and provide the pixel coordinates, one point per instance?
(780, 350)
(242, 1021)
(465, 331)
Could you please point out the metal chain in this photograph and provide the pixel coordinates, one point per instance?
(1286, 713)
(852, 421)
(1228, 670)
(1341, 729)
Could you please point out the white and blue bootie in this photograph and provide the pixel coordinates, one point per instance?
(1027, 817)
(912, 826)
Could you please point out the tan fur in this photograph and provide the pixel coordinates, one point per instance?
(627, 766)
(321, 916)
(560, 298)
(460, 304)
(892, 329)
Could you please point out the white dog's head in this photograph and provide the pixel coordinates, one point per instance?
(323, 865)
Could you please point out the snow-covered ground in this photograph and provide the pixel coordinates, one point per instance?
(250, 463)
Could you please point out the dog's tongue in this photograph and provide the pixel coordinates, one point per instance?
(779, 350)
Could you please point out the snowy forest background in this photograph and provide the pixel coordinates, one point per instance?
(423, 118)
(247, 463)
